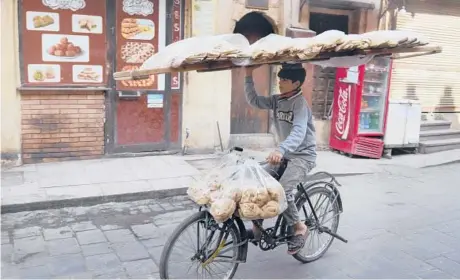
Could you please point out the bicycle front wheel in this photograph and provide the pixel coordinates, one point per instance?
(200, 248)
(326, 206)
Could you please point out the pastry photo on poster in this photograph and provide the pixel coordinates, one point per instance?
(65, 48)
(87, 24)
(42, 21)
(137, 29)
(87, 73)
(44, 73)
(134, 52)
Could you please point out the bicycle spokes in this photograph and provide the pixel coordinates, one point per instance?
(318, 222)
(203, 250)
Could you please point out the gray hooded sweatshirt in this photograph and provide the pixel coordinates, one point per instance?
(292, 119)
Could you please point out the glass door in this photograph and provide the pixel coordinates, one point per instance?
(375, 89)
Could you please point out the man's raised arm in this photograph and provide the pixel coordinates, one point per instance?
(261, 102)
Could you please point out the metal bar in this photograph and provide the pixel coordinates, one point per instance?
(328, 231)
(70, 88)
(415, 55)
(220, 137)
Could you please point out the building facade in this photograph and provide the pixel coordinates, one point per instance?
(432, 80)
(61, 102)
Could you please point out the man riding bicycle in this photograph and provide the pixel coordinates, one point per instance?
(294, 125)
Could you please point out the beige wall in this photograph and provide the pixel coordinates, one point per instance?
(207, 96)
(10, 99)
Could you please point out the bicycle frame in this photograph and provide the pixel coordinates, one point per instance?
(274, 240)
(269, 235)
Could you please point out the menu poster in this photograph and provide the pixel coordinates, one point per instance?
(139, 35)
(176, 36)
(63, 43)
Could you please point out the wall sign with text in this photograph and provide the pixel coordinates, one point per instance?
(176, 36)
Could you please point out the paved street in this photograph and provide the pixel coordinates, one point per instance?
(401, 223)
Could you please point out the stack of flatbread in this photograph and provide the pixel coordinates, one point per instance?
(236, 48)
(198, 49)
(274, 46)
(381, 39)
(268, 47)
(308, 48)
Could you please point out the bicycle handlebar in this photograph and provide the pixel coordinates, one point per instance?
(284, 160)
(266, 161)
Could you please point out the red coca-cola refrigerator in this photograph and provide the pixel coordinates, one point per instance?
(360, 108)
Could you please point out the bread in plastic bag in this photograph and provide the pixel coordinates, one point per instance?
(199, 193)
(262, 197)
(250, 211)
(209, 186)
(239, 184)
(270, 210)
(222, 209)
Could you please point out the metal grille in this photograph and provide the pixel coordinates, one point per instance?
(433, 80)
(323, 93)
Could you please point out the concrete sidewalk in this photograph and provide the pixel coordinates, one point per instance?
(87, 182)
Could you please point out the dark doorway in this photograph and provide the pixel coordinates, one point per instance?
(244, 118)
(323, 22)
(324, 78)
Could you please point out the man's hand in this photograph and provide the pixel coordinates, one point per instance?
(275, 157)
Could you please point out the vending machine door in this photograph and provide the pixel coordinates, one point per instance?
(374, 96)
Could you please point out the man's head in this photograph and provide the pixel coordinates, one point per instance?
(291, 77)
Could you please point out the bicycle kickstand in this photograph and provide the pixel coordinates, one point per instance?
(335, 235)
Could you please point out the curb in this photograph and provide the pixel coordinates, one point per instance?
(90, 201)
(125, 197)
(442, 164)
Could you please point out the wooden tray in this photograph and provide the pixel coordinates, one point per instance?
(209, 66)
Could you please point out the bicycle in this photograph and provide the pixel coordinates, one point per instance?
(232, 235)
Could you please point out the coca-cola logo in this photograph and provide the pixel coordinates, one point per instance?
(342, 114)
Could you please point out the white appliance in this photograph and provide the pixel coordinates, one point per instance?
(403, 124)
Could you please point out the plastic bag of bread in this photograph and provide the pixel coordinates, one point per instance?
(199, 193)
(222, 209)
(262, 197)
(209, 187)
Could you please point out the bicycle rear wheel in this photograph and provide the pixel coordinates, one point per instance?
(207, 250)
(326, 205)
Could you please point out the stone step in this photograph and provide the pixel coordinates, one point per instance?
(441, 134)
(434, 125)
(433, 146)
